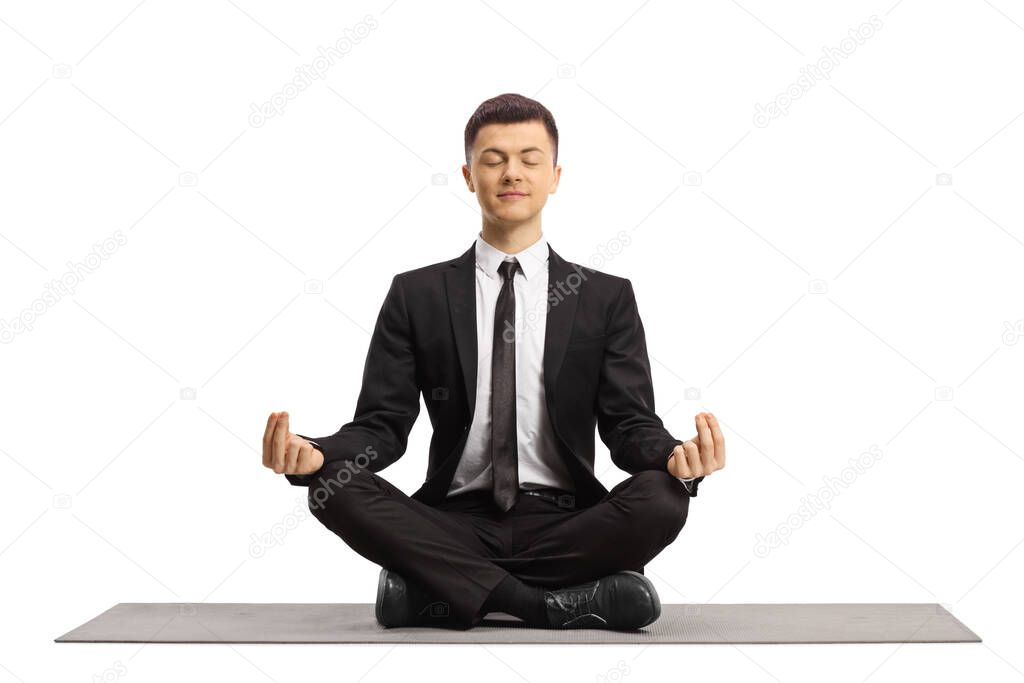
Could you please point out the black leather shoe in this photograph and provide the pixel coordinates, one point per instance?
(625, 600)
(404, 603)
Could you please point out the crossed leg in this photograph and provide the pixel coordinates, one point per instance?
(439, 550)
(638, 518)
(462, 557)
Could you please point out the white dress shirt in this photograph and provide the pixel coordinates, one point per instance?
(539, 462)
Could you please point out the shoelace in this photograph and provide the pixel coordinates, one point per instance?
(578, 602)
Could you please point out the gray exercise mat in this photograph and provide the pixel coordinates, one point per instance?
(143, 622)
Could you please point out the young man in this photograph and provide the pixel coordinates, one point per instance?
(518, 354)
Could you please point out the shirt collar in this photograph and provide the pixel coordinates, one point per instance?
(531, 259)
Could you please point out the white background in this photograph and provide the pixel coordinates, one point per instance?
(812, 281)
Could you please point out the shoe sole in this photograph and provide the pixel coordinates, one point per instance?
(381, 582)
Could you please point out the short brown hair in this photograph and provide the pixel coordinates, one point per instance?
(510, 108)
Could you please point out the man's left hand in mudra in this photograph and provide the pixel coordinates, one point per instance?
(702, 454)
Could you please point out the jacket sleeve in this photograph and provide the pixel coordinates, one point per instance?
(389, 400)
(626, 420)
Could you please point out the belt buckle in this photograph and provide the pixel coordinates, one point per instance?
(563, 500)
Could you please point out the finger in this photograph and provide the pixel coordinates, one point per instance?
(707, 444)
(268, 440)
(696, 424)
(692, 459)
(716, 432)
(280, 436)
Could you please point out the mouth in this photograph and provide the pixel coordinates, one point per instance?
(511, 195)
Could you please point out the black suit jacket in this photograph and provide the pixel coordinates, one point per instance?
(596, 372)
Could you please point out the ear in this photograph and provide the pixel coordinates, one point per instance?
(558, 176)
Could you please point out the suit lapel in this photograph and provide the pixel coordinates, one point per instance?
(460, 287)
(561, 312)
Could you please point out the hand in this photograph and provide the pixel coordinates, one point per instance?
(702, 454)
(287, 453)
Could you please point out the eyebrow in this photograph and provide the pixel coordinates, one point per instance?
(522, 151)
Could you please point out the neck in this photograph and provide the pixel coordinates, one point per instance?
(512, 239)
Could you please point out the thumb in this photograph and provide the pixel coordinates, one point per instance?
(673, 462)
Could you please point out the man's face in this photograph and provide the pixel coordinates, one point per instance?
(511, 171)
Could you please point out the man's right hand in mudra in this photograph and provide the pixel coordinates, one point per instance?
(702, 454)
(288, 453)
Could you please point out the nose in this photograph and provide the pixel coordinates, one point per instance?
(513, 172)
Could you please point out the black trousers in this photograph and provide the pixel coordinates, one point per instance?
(460, 550)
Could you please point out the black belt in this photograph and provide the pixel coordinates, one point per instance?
(562, 500)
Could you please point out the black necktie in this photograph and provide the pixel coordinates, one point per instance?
(504, 458)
